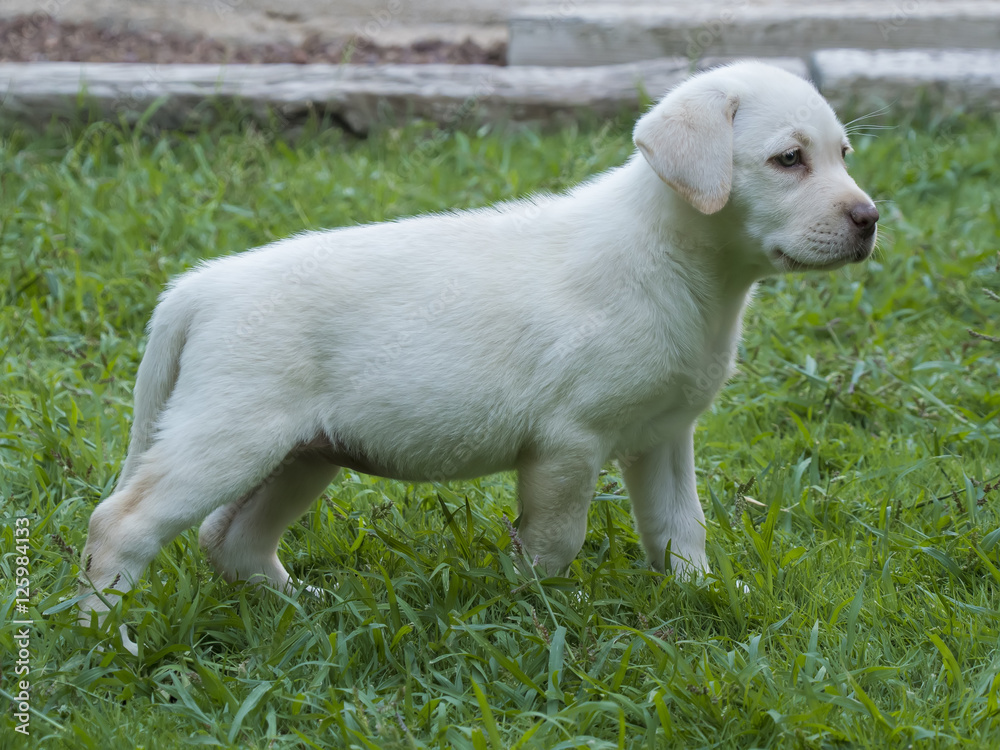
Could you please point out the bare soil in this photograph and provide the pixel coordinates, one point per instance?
(41, 38)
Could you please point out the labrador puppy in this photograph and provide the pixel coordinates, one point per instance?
(546, 335)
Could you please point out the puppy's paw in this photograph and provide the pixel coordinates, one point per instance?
(691, 568)
(127, 643)
(320, 594)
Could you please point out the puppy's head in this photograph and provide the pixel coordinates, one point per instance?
(761, 147)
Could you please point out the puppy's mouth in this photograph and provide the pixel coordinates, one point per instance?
(854, 254)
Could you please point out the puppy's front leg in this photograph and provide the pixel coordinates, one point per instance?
(555, 491)
(664, 495)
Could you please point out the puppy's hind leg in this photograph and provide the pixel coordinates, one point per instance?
(241, 538)
(555, 492)
(182, 477)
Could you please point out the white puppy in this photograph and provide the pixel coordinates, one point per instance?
(545, 335)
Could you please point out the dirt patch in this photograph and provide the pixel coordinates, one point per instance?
(42, 38)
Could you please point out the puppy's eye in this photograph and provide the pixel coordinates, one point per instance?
(791, 158)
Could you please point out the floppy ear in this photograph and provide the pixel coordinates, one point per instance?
(688, 141)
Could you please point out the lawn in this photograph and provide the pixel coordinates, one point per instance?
(849, 474)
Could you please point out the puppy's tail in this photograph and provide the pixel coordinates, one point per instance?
(158, 371)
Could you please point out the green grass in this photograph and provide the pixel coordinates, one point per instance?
(864, 414)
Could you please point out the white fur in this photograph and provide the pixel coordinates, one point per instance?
(547, 335)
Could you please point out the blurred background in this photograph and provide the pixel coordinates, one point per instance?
(552, 32)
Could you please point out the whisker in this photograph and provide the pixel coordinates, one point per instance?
(865, 132)
(878, 111)
(858, 127)
(878, 249)
(868, 128)
(879, 246)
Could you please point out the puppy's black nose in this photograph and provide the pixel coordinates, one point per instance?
(864, 216)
